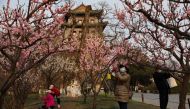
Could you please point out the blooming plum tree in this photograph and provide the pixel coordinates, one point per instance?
(29, 34)
(160, 28)
(96, 58)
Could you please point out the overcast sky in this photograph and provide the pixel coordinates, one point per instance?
(77, 2)
(92, 2)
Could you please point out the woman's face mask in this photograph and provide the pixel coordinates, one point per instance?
(159, 71)
(123, 70)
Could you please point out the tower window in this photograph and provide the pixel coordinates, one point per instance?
(92, 21)
(80, 21)
(74, 33)
(93, 32)
(80, 33)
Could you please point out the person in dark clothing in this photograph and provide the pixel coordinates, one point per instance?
(160, 79)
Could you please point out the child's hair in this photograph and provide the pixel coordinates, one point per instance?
(51, 86)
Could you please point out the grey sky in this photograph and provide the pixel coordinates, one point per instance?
(92, 2)
(77, 2)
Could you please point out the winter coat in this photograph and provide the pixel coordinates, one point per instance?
(160, 79)
(49, 100)
(122, 90)
(55, 91)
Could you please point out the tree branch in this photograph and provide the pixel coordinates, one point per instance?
(169, 27)
(179, 1)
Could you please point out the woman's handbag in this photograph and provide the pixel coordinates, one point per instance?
(172, 82)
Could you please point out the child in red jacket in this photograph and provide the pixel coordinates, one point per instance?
(56, 94)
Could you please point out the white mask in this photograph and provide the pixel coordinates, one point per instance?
(123, 70)
(113, 74)
(159, 71)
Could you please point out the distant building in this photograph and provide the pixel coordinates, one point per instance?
(81, 22)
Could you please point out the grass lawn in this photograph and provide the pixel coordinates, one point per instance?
(77, 103)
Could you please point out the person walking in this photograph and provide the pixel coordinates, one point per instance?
(122, 87)
(160, 79)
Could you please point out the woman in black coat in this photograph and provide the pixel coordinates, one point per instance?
(160, 79)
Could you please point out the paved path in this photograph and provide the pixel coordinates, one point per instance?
(154, 99)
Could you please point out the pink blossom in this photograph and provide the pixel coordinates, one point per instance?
(16, 30)
(169, 15)
(25, 54)
(59, 10)
(48, 6)
(35, 1)
(121, 15)
(41, 8)
(184, 16)
(188, 11)
(60, 19)
(44, 1)
(18, 65)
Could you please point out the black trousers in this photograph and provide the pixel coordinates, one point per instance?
(122, 105)
(44, 107)
(163, 98)
(51, 107)
(58, 99)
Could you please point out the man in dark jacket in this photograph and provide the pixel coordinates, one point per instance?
(160, 79)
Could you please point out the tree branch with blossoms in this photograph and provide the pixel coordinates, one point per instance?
(180, 1)
(162, 32)
(29, 36)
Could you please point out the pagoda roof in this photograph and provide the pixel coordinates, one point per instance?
(82, 9)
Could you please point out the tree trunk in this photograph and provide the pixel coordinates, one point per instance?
(2, 98)
(94, 100)
(183, 91)
(66, 90)
(96, 92)
(19, 104)
(3, 90)
(85, 98)
(21, 90)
